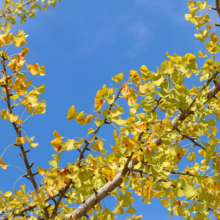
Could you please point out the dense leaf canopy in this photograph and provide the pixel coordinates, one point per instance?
(168, 122)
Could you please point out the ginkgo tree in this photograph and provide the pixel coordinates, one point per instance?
(149, 143)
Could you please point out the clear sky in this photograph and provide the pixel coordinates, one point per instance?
(82, 45)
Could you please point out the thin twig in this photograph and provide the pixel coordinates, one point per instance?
(18, 131)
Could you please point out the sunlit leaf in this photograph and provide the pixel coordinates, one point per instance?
(2, 164)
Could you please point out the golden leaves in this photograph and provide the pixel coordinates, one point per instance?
(39, 89)
(81, 119)
(6, 38)
(2, 164)
(98, 146)
(20, 39)
(8, 116)
(98, 104)
(35, 69)
(16, 64)
(147, 87)
(21, 140)
(118, 77)
(56, 135)
(89, 117)
(152, 146)
(134, 76)
(41, 171)
(22, 54)
(57, 144)
(109, 174)
(140, 128)
(213, 37)
(129, 143)
(30, 141)
(130, 95)
(71, 114)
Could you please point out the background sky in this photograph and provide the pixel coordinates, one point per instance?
(82, 45)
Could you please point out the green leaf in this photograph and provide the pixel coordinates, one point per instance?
(99, 123)
(69, 145)
(159, 81)
(189, 191)
(84, 174)
(119, 211)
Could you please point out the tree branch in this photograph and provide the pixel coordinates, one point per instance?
(191, 139)
(101, 194)
(32, 207)
(118, 179)
(217, 7)
(11, 11)
(79, 162)
(18, 131)
(62, 194)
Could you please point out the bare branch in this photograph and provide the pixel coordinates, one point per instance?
(217, 7)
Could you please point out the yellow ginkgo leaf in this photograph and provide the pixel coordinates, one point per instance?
(16, 65)
(213, 37)
(39, 89)
(89, 117)
(129, 143)
(81, 119)
(140, 128)
(41, 171)
(71, 114)
(34, 69)
(152, 145)
(90, 130)
(98, 104)
(200, 54)
(109, 174)
(56, 135)
(56, 144)
(7, 116)
(98, 146)
(14, 97)
(23, 52)
(2, 164)
(30, 141)
(21, 140)
(20, 122)
(20, 39)
(52, 175)
(118, 77)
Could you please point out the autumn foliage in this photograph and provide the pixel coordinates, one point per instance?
(167, 123)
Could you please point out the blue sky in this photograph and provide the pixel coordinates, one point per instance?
(82, 45)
